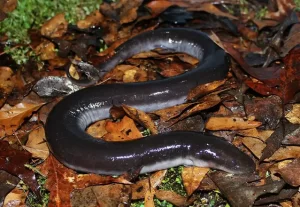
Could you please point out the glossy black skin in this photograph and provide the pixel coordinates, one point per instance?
(66, 123)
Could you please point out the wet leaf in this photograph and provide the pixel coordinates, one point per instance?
(13, 161)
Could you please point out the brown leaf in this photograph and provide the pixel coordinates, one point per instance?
(290, 173)
(284, 8)
(12, 117)
(294, 115)
(192, 177)
(141, 117)
(230, 123)
(7, 183)
(263, 135)
(238, 192)
(36, 144)
(46, 50)
(13, 161)
(105, 195)
(273, 142)
(90, 20)
(284, 153)
(174, 198)
(284, 194)
(204, 89)
(61, 181)
(171, 112)
(55, 27)
(6, 83)
(140, 188)
(8, 5)
(126, 74)
(266, 110)
(291, 41)
(256, 146)
(124, 130)
(293, 136)
(16, 198)
(97, 129)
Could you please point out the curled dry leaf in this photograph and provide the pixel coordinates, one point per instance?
(55, 27)
(36, 144)
(204, 89)
(294, 115)
(192, 177)
(6, 83)
(206, 102)
(141, 117)
(121, 131)
(61, 181)
(12, 118)
(230, 123)
(16, 197)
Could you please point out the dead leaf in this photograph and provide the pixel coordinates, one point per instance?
(230, 123)
(36, 144)
(13, 161)
(291, 41)
(238, 192)
(124, 130)
(141, 117)
(263, 135)
(171, 112)
(46, 50)
(90, 20)
(204, 89)
(61, 181)
(97, 129)
(6, 83)
(192, 177)
(16, 197)
(256, 146)
(284, 153)
(55, 27)
(284, 8)
(7, 183)
(174, 198)
(290, 173)
(105, 195)
(294, 115)
(140, 188)
(12, 118)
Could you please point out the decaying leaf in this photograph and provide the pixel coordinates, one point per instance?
(294, 115)
(105, 195)
(171, 112)
(124, 130)
(174, 198)
(290, 173)
(36, 144)
(55, 27)
(61, 181)
(238, 192)
(6, 83)
(192, 177)
(7, 183)
(97, 129)
(230, 123)
(284, 153)
(16, 197)
(13, 161)
(12, 117)
(255, 145)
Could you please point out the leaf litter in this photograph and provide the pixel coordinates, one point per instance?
(255, 107)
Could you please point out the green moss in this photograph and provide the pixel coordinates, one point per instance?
(261, 13)
(33, 13)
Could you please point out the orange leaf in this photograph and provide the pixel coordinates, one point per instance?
(12, 118)
(192, 177)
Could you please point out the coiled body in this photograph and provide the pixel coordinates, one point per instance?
(66, 123)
